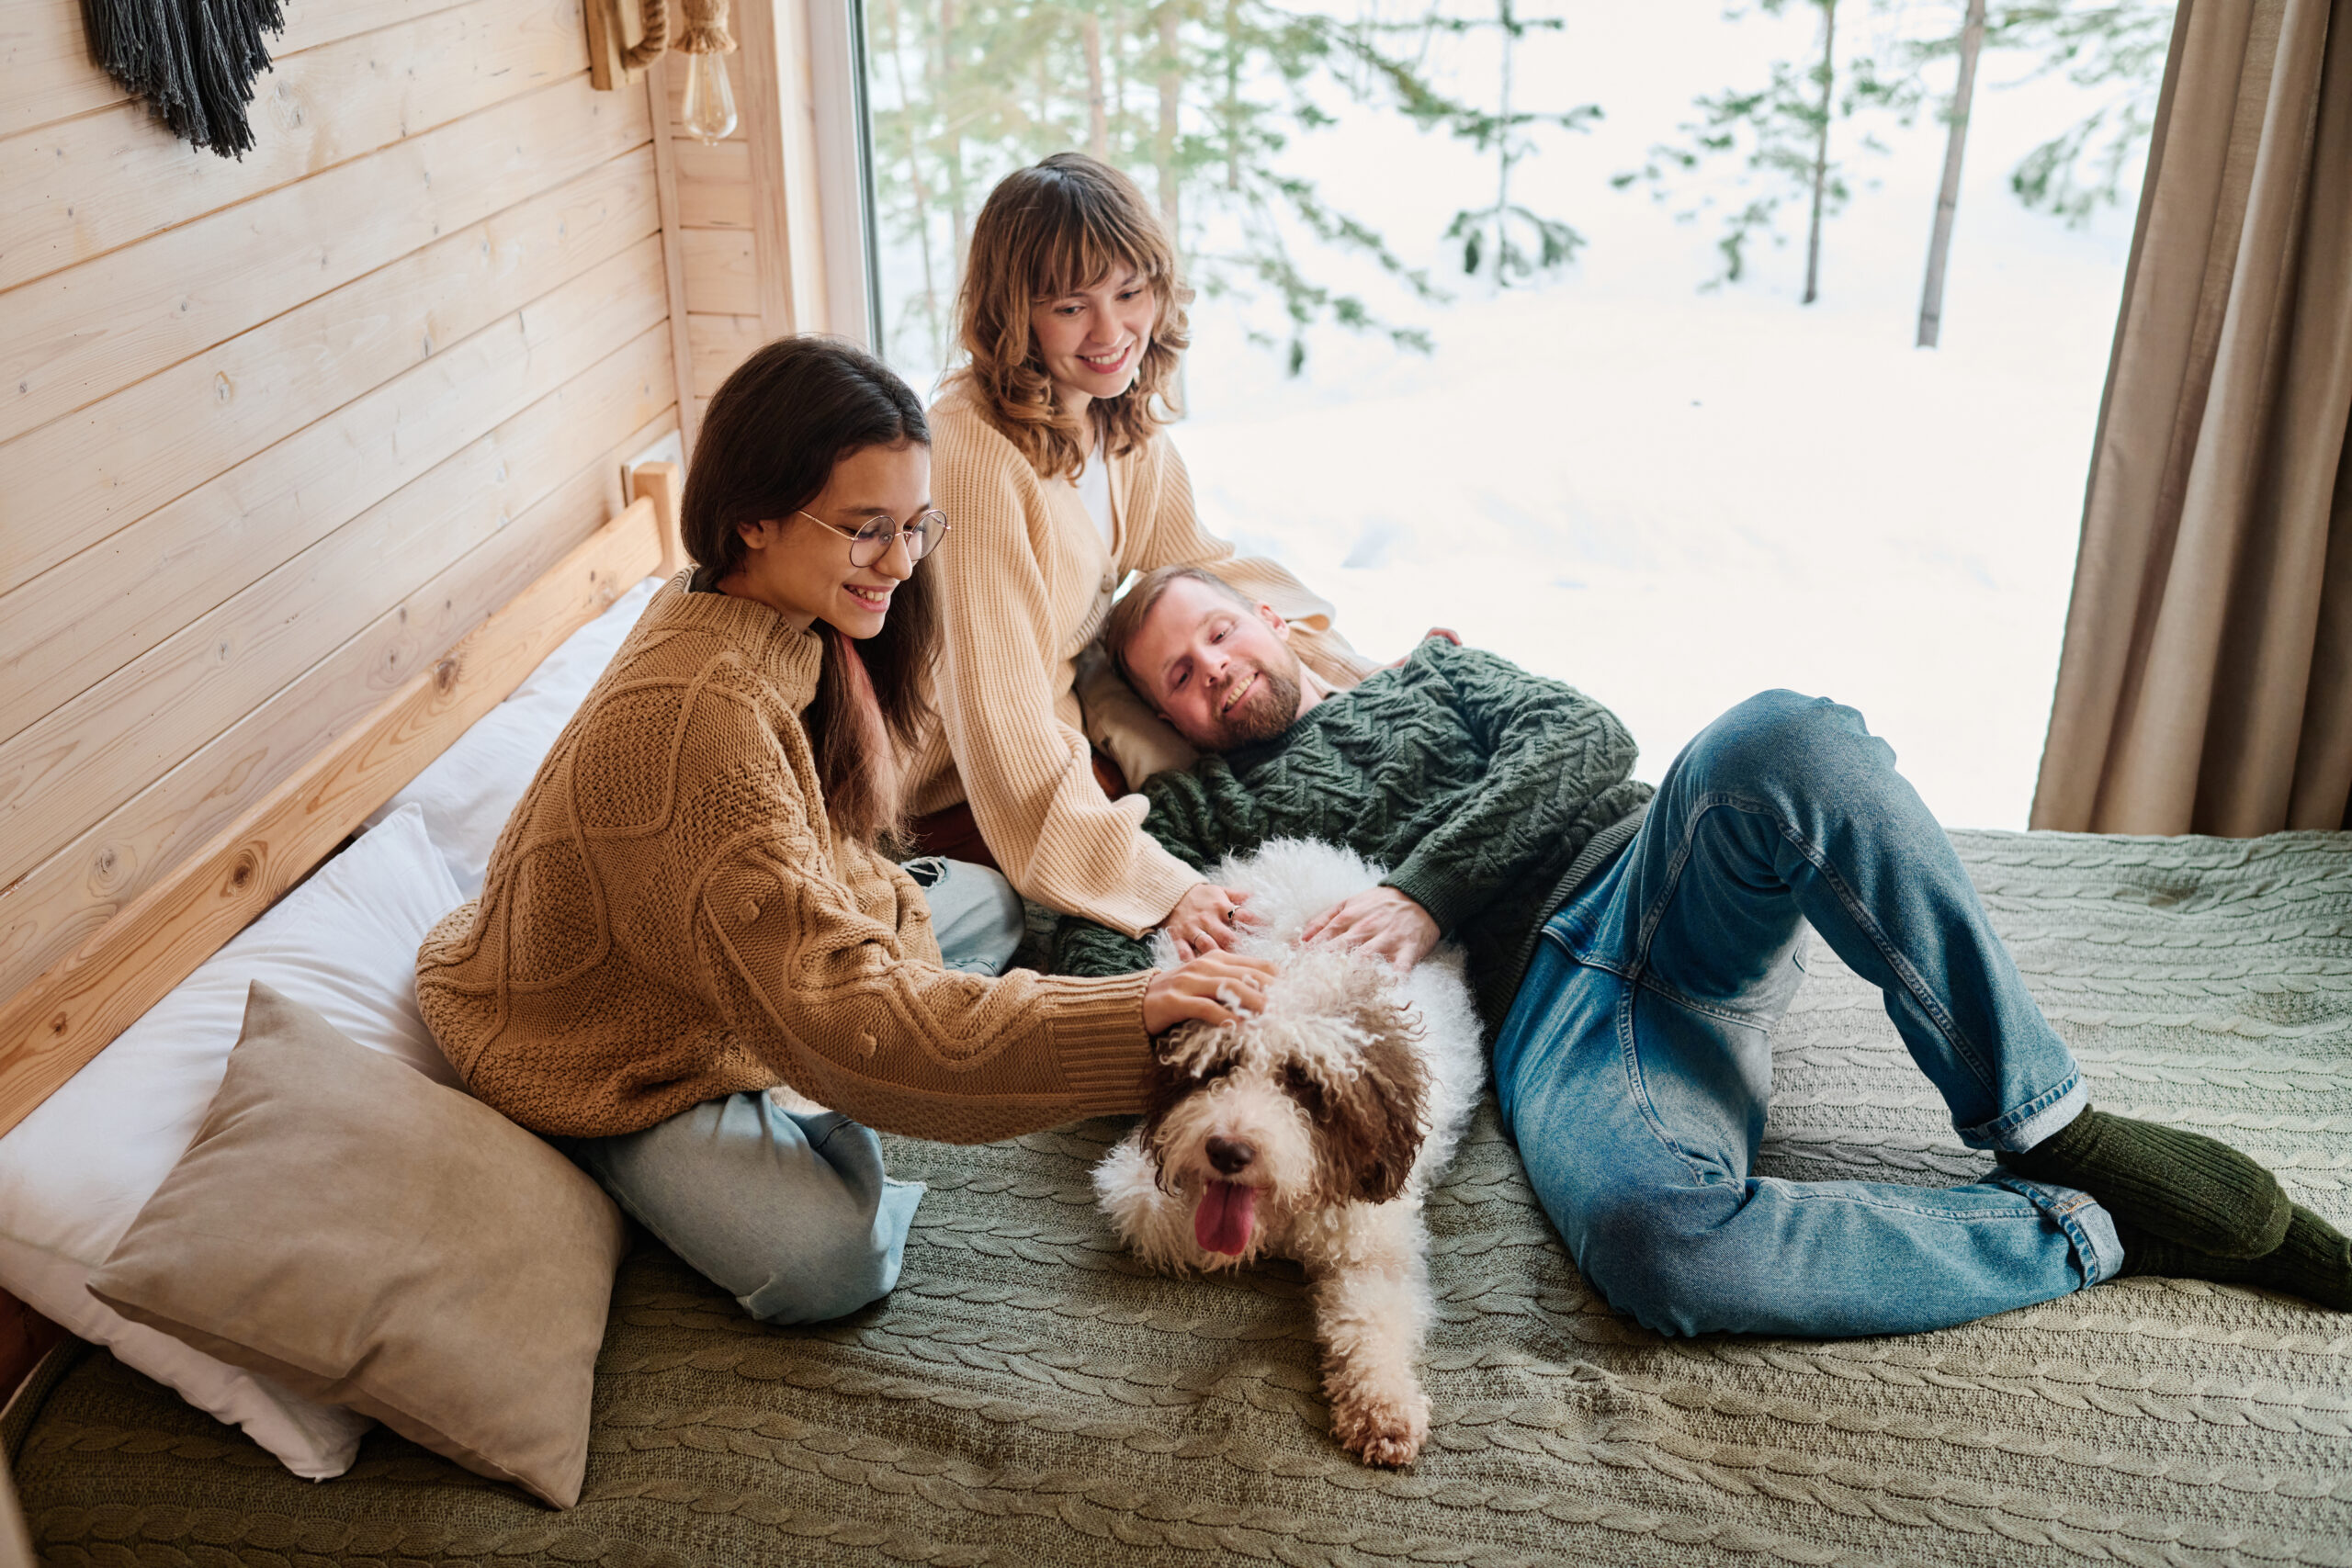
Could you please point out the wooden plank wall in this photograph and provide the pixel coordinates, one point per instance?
(744, 202)
(714, 206)
(274, 434)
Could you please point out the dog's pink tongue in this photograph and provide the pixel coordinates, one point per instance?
(1221, 1224)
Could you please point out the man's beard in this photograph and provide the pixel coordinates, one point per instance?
(1265, 713)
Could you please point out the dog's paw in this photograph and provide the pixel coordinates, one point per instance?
(1387, 1431)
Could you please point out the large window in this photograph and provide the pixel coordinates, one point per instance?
(1503, 319)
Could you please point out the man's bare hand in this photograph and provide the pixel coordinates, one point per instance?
(1206, 918)
(1379, 920)
(1212, 989)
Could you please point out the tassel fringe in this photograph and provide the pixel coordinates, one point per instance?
(193, 62)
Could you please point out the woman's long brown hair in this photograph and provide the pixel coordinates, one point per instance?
(769, 442)
(1060, 225)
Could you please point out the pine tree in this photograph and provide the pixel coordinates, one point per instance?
(1777, 140)
(2096, 43)
(968, 90)
(2116, 46)
(1267, 71)
(1513, 241)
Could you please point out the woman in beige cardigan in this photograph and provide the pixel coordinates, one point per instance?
(691, 904)
(1052, 465)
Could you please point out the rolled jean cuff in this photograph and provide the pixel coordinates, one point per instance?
(2020, 1128)
(2090, 1229)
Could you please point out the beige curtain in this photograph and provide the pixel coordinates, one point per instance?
(2206, 684)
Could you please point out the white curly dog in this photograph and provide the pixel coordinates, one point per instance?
(1313, 1130)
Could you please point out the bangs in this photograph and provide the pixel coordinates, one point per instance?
(1089, 240)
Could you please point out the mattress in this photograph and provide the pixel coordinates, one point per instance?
(1028, 1396)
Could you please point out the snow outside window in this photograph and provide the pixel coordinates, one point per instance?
(1503, 319)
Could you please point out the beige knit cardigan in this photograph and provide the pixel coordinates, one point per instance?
(670, 917)
(1025, 582)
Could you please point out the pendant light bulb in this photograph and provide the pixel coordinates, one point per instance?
(709, 107)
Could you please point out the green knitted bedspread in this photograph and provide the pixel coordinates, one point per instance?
(1028, 1398)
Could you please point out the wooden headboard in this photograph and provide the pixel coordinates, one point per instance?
(76, 1007)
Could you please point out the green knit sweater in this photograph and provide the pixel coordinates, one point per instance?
(1490, 793)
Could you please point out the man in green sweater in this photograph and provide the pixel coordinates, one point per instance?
(1632, 954)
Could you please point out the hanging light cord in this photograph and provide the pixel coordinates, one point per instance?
(705, 32)
(657, 35)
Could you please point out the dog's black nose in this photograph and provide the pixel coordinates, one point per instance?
(1231, 1155)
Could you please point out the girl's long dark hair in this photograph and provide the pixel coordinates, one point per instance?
(768, 445)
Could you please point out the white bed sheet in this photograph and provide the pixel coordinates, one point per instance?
(76, 1172)
(469, 791)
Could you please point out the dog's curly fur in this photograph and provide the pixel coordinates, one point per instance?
(1349, 1092)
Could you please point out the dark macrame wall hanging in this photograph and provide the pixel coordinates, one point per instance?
(191, 61)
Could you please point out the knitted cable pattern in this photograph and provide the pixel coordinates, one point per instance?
(1476, 783)
(1029, 1397)
(670, 917)
(1024, 583)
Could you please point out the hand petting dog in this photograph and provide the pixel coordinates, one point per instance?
(1378, 921)
(1208, 918)
(1215, 988)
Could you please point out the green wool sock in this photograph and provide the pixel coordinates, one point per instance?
(2315, 1262)
(2178, 1186)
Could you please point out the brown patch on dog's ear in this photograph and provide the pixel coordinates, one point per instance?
(1165, 1086)
(1372, 1123)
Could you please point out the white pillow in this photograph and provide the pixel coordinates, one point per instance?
(315, 1441)
(76, 1172)
(471, 789)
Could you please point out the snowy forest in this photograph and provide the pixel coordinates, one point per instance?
(1203, 100)
(1675, 351)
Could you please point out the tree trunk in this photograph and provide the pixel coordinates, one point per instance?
(1098, 126)
(1118, 100)
(1171, 89)
(891, 16)
(1171, 101)
(1233, 94)
(1821, 150)
(1963, 94)
(957, 238)
(1509, 37)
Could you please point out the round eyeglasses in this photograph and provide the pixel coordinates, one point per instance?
(870, 540)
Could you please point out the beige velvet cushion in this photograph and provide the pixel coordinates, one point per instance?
(371, 1239)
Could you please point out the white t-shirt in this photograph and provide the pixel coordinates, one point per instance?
(1094, 489)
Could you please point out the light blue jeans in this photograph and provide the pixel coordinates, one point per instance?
(1636, 1066)
(792, 1215)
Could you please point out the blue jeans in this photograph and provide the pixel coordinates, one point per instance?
(1636, 1066)
(788, 1213)
(975, 913)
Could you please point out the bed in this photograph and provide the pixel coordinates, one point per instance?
(1028, 1396)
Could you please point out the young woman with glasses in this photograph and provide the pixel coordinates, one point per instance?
(696, 901)
(1052, 463)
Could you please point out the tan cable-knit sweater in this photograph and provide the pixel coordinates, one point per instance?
(1026, 583)
(669, 917)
